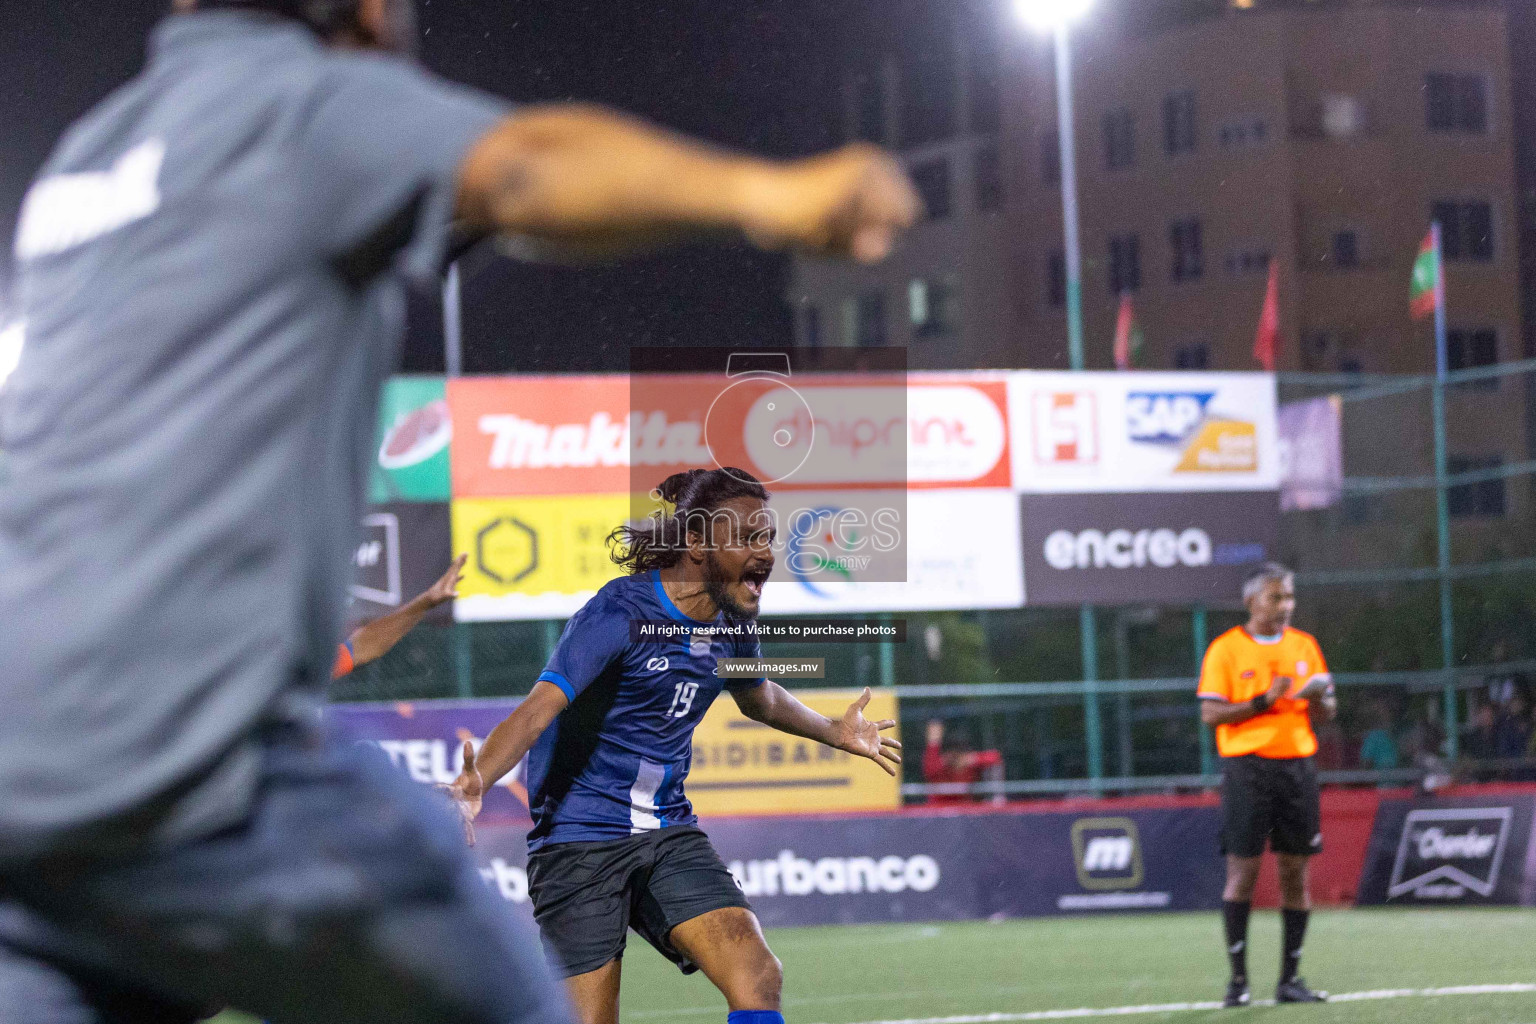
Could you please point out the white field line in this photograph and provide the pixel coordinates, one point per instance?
(1148, 1008)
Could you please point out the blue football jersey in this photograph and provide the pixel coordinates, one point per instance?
(613, 763)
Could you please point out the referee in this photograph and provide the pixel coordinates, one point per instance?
(1258, 686)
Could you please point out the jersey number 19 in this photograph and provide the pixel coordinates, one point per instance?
(682, 699)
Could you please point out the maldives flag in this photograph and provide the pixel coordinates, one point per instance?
(1266, 343)
(1424, 291)
(1128, 336)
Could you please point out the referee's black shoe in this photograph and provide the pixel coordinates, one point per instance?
(1237, 993)
(1296, 991)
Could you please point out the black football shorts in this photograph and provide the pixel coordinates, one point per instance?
(586, 896)
(1269, 800)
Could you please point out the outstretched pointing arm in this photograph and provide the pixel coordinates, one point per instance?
(775, 706)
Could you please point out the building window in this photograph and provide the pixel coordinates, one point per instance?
(1056, 280)
(1188, 252)
(1179, 123)
(1346, 249)
(989, 178)
(1456, 103)
(1483, 498)
(1243, 133)
(1247, 261)
(1466, 231)
(810, 325)
(869, 107)
(986, 82)
(1050, 159)
(1124, 264)
(1466, 349)
(1192, 357)
(932, 180)
(869, 329)
(1119, 140)
(931, 303)
(928, 97)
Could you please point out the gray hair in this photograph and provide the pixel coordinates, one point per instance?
(1262, 577)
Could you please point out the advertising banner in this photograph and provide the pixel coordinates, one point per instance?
(1131, 432)
(414, 434)
(739, 766)
(533, 557)
(579, 434)
(1144, 548)
(1311, 453)
(403, 548)
(1452, 852)
(961, 550)
(801, 871)
(744, 767)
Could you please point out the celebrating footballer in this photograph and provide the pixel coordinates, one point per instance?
(608, 731)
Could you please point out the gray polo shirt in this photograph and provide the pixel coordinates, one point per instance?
(212, 271)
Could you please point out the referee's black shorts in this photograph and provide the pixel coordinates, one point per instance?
(1270, 800)
(586, 896)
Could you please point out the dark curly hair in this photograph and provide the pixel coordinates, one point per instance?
(696, 496)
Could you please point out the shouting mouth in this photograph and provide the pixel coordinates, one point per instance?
(754, 579)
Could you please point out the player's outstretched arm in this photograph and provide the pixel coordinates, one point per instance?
(372, 641)
(507, 744)
(575, 179)
(775, 706)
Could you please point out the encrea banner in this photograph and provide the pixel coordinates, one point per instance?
(1130, 432)
(1144, 548)
(744, 767)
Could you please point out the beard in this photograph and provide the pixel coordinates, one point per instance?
(718, 588)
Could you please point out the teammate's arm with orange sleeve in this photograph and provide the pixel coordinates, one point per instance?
(1215, 692)
(579, 180)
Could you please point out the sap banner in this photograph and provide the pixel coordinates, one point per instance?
(931, 866)
(1132, 432)
(1452, 852)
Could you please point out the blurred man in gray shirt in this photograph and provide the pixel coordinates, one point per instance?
(212, 272)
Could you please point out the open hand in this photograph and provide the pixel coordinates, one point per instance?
(858, 735)
(447, 586)
(851, 202)
(468, 792)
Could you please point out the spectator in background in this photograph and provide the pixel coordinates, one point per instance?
(1512, 727)
(1477, 740)
(951, 762)
(1378, 749)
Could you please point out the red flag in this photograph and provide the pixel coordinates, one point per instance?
(1128, 338)
(1266, 343)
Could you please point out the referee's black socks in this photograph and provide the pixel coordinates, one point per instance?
(1295, 925)
(1235, 916)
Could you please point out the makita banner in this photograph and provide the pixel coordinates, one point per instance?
(1456, 851)
(945, 867)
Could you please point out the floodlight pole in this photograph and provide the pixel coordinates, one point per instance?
(1093, 723)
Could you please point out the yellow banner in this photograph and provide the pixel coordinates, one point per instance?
(536, 545)
(743, 767)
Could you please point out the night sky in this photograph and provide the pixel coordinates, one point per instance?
(758, 74)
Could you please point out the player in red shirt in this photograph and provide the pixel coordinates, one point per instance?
(372, 640)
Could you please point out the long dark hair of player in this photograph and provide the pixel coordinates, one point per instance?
(695, 497)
